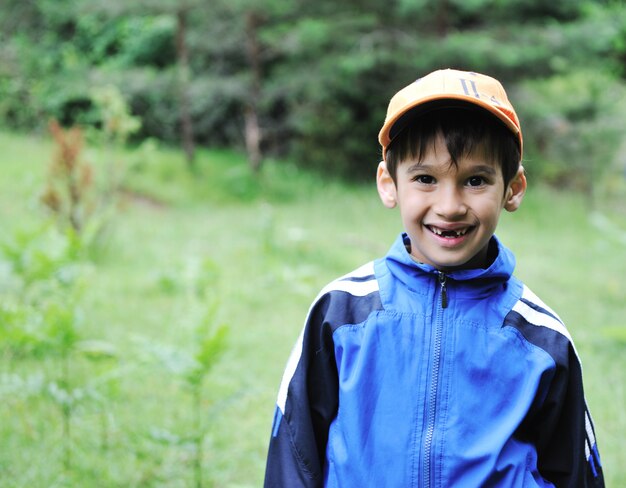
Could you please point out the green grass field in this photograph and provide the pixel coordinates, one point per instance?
(276, 239)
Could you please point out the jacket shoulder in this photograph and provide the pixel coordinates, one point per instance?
(541, 326)
(347, 300)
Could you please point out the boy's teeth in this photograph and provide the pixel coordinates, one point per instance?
(440, 232)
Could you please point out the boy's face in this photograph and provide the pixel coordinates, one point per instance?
(450, 213)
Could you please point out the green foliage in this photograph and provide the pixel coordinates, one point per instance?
(198, 283)
(45, 277)
(79, 195)
(222, 177)
(42, 254)
(211, 345)
(40, 318)
(323, 74)
(575, 121)
(337, 112)
(147, 41)
(117, 123)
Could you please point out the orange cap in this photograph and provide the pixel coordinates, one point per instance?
(453, 85)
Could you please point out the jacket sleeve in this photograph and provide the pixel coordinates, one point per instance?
(307, 403)
(567, 450)
(559, 422)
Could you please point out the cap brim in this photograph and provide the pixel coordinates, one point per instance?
(394, 126)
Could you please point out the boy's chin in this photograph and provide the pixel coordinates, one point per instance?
(477, 261)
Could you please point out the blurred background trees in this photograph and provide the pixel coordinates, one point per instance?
(310, 81)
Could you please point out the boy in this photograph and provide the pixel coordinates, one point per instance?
(434, 366)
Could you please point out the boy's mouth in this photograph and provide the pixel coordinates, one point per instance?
(449, 233)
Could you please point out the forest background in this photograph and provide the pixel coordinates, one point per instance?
(310, 81)
(211, 141)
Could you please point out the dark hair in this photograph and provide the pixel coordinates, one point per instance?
(465, 131)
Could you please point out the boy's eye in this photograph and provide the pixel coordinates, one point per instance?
(424, 179)
(476, 181)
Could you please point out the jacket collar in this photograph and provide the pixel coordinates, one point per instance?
(405, 268)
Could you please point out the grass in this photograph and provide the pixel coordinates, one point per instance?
(277, 239)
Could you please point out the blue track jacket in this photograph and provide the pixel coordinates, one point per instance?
(404, 376)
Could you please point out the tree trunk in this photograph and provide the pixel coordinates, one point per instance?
(182, 54)
(442, 20)
(253, 132)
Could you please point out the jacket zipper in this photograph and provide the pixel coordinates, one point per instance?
(444, 291)
(434, 383)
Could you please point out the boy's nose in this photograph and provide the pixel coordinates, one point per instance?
(449, 204)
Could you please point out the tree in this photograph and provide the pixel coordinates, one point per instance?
(182, 54)
(306, 80)
(179, 12)
(253, 51)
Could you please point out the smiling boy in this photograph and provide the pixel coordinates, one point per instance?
(435, 366)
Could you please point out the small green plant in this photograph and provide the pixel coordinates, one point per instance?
(40, 317)
(191, 365)
(116, 124)
(78, 194)
(61, 334)
(69, 191)
(210, 345)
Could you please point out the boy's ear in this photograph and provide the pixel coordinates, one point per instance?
(386, 186)
(516, 190)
